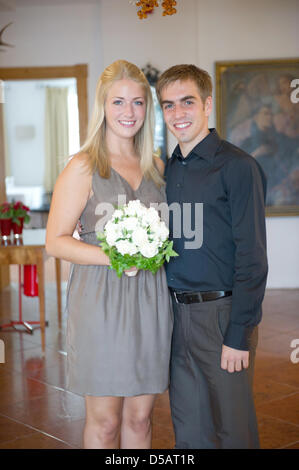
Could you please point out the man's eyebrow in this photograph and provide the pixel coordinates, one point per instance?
(188, 97)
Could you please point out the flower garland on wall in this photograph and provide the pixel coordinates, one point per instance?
(148, 6)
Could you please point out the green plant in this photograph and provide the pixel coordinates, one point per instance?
(6, 210)
(20, 211)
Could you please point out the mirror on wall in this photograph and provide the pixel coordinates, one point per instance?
(44, 121)
(41, 129)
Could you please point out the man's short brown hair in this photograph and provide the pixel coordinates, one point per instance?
(186, 72)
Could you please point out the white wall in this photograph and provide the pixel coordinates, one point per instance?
(161, 40)
(202, 32)
(47, 34)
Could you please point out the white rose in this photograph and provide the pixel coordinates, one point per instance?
(130, 223)
(151, 216)
(117, 214)
(133, 207)
(139, 236)
(160, 231)
(124, 247)
(148, 250)
(112, 233)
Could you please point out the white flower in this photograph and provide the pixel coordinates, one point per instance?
(124, 247)
(139, 236)
(131, 230)
(148, 250)
(117, 214)
(130, 223)
(151, 216)
(160, 230)
(112, 232)
(134, 208)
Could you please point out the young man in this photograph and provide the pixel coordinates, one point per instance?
(218, 285)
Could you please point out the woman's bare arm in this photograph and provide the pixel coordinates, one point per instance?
(70, 196)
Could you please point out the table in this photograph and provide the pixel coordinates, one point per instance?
(30, 249)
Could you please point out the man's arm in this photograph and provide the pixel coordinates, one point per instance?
(246, 192)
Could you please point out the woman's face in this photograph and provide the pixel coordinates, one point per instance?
(125, 109)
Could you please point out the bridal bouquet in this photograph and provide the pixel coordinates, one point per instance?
(136, 236)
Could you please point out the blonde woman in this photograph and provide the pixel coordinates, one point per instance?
(119, 329)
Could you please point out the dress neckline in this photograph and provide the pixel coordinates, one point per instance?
(124, 179)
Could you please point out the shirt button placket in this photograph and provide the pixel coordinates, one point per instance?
(180, 183)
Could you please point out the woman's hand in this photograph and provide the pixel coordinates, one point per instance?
(131, 271)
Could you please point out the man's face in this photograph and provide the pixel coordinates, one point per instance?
(185, 114)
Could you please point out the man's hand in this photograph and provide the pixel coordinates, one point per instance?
(233, 359)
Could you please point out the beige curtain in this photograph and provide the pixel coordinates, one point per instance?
(56, 134)
(6, 148)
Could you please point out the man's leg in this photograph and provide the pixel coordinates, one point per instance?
(211, 408)
(188, 391)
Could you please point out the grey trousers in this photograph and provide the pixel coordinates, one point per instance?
(210, 407)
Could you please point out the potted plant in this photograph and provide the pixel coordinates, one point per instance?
(6, 215)
(20, 217)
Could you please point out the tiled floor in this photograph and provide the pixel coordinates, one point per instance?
(36, 412)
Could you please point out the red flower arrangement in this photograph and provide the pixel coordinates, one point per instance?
(20, 211)
(6, 210)
(13, 215)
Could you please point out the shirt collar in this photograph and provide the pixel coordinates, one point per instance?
(205, 149)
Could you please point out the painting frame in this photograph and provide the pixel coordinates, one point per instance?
(233, 76)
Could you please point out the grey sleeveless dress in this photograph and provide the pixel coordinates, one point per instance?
(119, 329)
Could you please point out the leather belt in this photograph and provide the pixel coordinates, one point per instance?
(195, 297)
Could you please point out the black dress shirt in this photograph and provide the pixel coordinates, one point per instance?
(231, 186)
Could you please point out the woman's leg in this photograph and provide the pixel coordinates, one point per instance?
(136, 427)
(103, 419)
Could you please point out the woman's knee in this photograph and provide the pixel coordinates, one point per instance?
(106, 428)
(139, 423)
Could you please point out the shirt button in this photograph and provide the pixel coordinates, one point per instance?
(184, 163)
(178, 185)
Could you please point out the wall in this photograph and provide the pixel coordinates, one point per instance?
(45, 33)
(162, 41)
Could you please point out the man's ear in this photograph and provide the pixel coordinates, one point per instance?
(208, 106)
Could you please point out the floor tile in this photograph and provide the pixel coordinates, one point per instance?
(270, 390)
(10, 429)
(275, 433)
(35, 441)
(286, 409)
(37, 412)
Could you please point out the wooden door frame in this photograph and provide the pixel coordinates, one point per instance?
(80, 72)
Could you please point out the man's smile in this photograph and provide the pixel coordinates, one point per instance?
(182, 125)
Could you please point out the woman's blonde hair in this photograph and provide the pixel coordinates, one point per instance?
(95, 143)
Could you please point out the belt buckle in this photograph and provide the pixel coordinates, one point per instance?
(176, 299)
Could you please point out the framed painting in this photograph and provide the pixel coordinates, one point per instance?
(257, 108)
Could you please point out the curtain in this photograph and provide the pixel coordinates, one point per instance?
(5, 142)
(56, 134)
